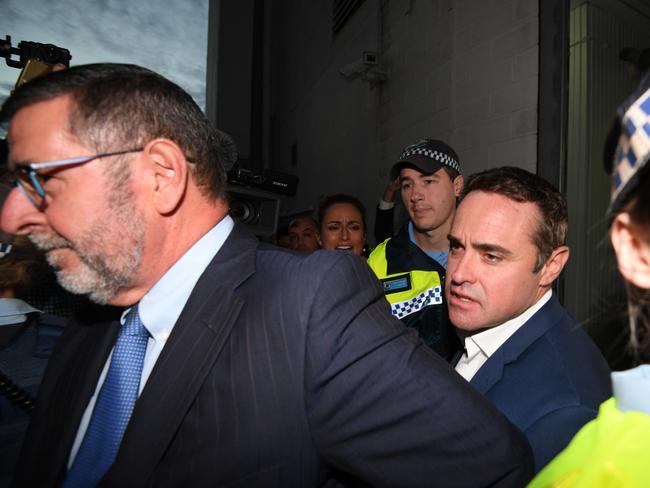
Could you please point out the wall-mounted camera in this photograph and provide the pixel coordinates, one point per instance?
(367, 68)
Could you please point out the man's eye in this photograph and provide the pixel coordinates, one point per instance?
(492, 258)
(332, 227)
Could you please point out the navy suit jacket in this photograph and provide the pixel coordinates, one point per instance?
(548, 378)
(282, 370)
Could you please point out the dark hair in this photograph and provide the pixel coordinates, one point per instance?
(626, 161)
(330, 200)
(638, 298)
(522, 186)
(300, 218)
(451, 172)
(22, 268)
(122, 106)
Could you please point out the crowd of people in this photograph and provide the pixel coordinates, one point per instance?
(442, 357)
(472, 271)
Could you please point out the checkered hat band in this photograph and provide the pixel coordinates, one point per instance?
(634, 145)
(432, 296)
(5, 249)
(441, 157)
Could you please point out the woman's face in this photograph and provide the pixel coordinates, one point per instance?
(342, 228)
(632, 247)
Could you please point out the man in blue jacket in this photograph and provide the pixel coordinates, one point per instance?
(522, 349)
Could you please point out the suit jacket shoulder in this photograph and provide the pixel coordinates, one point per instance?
(284, 370)
(548, 378)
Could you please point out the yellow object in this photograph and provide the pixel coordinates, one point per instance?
(612, 450)
(409, 291)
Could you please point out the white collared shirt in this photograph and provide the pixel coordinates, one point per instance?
(479, 347)
(160, 307)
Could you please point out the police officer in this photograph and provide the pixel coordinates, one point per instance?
(412, 264)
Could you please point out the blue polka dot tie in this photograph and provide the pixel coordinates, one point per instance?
(113, 407)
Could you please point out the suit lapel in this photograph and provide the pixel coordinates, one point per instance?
(491, 372)
(188, 357)
(76, 379)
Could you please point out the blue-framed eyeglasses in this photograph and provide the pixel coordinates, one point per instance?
(31, 183)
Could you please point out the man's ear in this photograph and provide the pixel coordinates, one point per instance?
(632, 251)
(554, 265)
(459, 182)
(170, 174)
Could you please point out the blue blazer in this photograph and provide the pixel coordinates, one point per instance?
(548, 379)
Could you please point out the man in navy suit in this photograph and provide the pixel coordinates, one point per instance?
(522, 349)
(236, 363)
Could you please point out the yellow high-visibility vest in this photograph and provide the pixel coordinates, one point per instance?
(407, 292)
(610, 451)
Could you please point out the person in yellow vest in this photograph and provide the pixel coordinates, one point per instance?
(412, 264)
(612, 450)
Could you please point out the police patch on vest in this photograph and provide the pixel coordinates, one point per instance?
(395, 284)
(432, 296)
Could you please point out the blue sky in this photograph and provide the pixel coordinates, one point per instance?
(167, 36)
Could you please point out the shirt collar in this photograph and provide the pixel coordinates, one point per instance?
(161, 306)
(13, 310)
(489, 340)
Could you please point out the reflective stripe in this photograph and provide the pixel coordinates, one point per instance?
(432, 296)
(407, 292)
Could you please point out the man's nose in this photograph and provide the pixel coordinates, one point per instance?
(459, 268)
(19, 216)
(416, 194)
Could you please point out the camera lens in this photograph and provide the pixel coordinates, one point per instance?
(244, 211)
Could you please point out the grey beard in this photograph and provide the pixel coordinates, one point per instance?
(98, 276)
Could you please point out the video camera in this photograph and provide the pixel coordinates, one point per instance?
(33, 58)
(254, 197)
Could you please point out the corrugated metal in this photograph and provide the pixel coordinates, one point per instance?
(341, 11)
(598, 82)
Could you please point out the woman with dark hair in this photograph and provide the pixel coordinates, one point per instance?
(612, 450)
(342, 223)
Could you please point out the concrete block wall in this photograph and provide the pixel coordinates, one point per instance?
(465, 71)
(330, 123)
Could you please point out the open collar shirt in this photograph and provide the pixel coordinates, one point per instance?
(480, 346)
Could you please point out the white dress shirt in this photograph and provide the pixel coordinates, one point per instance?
(479, 347)
(160, 307)
(384, 205)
